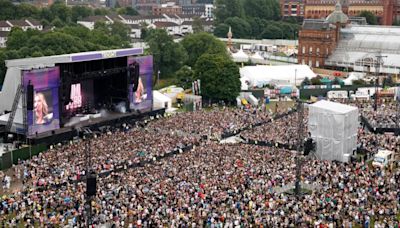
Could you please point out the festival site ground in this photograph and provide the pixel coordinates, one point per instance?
(145, 181)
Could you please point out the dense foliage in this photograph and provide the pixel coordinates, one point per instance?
(69, 39)
(58, 14)
(253, 19)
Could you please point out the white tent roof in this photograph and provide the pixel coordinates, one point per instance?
(240, 56)
(157, 96)
(334, 107)
(257, 56)
(263, 74)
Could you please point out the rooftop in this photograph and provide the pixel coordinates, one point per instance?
(163, 24)
(315, 24)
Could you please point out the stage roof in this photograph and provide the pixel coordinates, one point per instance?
(74, 57)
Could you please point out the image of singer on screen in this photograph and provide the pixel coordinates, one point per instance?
(42, 115)
(139, 92)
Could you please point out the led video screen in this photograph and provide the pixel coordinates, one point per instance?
(45, 114)
(142, 98)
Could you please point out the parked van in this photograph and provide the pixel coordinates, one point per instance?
(383, 158)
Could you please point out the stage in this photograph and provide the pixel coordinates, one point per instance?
(92, 121)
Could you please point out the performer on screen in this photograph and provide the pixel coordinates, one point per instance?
(139, 92)
(41, 109)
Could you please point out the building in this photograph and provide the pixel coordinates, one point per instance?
(290, 8)
(194, 9)
(6, 26)
(168, 8)
(171, 27)
(339, 43)
(387, 11)
(90, 21)
(318, 38)
(3, 38)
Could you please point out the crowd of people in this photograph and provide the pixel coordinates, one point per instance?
(283, 130)
(211, 185)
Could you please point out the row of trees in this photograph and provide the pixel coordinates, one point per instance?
(254, 19)
(58, 14)
(197, 56)
(69, 39)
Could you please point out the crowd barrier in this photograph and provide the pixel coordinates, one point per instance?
(378, 130)
(236, 132)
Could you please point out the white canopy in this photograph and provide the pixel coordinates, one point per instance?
(287, 74)
(240, 56)
(257, 58)
(161, 101)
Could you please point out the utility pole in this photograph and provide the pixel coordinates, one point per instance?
(300, 143)
(377, 64)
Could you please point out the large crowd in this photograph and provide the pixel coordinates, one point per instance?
(211, 185)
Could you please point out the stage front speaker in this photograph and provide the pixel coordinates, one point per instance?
(91, 186)
(134, 73)
(29, 97)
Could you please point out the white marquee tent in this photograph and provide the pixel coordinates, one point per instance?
(161, 101)
(333, 126)
(240, 57)
(286, 74)
(257, 58)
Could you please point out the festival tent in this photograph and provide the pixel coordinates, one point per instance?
(257, 58)
(258, 76)
(240, 57)
(161, 101)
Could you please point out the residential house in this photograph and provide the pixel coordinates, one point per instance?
(170, 27)
(4, 26)
(89, 22)
(3, 38)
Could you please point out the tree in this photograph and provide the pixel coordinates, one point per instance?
(168, 56)
(200, 43)
(272, 31)
(121, 30)
(240, 27)
(7, 10)
(220, 77)
(79, 12)
(16, 38)
(221, 30)
(197, 25)
(60, 10)
(305, 82)
(228, 8)
(127, 11)
(257, 26)
(265, 9)
(370, 17)
(25, 10)
(185, 77)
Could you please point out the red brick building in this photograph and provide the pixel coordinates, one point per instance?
(318, 38)
(168, 9)
(386, 10)
(290, 8)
